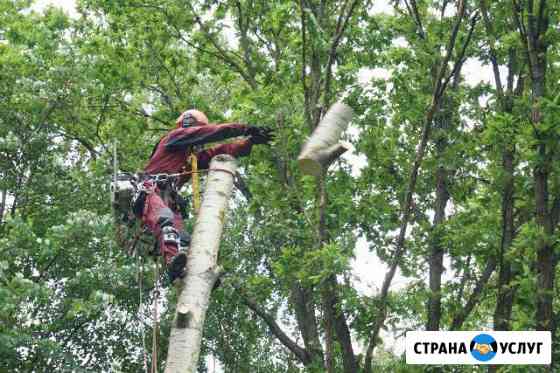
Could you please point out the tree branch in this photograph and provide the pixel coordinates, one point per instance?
(439, 88)
(225, 54)
(541, 17)
(86, 144)
(304, 63)
(493, 59)
(475, 295)
(342, 23)
(416, 16)
(245, 43)
(275, 329)
(523, 32)
(141, 113)
(460, 60)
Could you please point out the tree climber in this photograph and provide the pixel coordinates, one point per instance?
(159, 205)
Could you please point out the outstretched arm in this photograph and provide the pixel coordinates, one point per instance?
(183, 138)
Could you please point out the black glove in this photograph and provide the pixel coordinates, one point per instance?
(253, 130)
(260, 135)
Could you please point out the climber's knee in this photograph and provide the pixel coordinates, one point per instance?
(165, 217)
(170, 235)
(164, 222)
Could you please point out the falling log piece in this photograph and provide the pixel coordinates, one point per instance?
(202, 269)
(323, 146)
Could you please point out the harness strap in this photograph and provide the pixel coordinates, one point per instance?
(162, 177)
(193, 172)
(223, 170)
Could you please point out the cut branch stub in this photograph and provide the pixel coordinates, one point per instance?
(202, 269)
(323, 146)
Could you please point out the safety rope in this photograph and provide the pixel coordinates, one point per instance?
(132, 247)
(155, 315)
(155, 337)
(140, 275)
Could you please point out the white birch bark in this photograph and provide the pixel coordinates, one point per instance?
(323, 146)
(202, 269)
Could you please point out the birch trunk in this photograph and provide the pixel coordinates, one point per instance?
(323, 146)
(202, 269)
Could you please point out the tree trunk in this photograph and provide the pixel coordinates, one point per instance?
(545, 260)
(329, 339)
(3, 206)
(336, 318)
(537, 49)
(437, 251)
(442, 127)
(302, 300)
(504, 302)
(323, 147)
(202, 269)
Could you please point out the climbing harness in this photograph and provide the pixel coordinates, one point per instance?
(127, 188)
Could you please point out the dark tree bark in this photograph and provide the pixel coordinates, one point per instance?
(443, 123)
(532, 33)
(336, 318)
(329, 339)
(504, 301)
(505, 296)
(436, 247)
(474, 298)
(302, 354)
(302, 299)
(334, 315)
(2, 206)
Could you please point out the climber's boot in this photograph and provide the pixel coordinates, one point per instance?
(176, 268)
(173, 245)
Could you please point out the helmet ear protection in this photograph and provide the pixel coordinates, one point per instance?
(188, 120)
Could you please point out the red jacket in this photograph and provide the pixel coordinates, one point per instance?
(173, 150)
